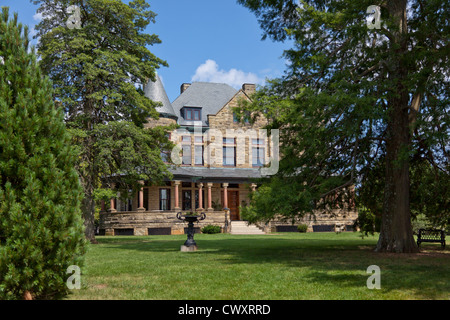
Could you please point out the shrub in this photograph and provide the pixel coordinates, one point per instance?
(210, 229)
(40, 194)
(302, 228)
(367, 222)
(420, 222)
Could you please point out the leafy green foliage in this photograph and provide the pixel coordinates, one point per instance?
(358, 107)
(429, 193)
(98, 72)
(367, 222)
(40, 193)
(211, 229)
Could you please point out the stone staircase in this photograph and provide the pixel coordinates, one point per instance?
(242, 227)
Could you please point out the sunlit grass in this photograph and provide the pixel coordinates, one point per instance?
(277, 266)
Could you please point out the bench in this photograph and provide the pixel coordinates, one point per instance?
(431, 235)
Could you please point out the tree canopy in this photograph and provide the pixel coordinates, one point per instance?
(99, 64)
(358, 106)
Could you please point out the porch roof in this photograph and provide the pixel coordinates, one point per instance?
(222, 175)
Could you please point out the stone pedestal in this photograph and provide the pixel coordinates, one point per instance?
(188, 249)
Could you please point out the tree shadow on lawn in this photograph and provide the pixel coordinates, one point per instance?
(340, 262)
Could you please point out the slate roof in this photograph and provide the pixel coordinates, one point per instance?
(202, 174)
(155, 91)
(210, 97)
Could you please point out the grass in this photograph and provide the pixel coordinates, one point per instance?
(282, 266)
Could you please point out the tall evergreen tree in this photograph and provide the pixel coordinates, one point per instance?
(40, 194)
(355, 98)
(96, 52)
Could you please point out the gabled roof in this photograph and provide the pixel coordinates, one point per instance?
(210, 97)
(155, 91)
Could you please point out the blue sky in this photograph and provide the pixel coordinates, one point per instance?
(202, 40)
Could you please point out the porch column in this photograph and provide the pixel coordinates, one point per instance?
(112, 208)
(112, 205)
(209, 185)
(141, 197)
(225, 196)
(200, 196)
(177, 202)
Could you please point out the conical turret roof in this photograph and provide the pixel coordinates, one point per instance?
(155, 91)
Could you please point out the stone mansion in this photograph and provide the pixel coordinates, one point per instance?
(218, 159)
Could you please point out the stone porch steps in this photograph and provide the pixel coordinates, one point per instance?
(242, 227)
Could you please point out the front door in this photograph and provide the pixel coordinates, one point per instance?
(233, 204)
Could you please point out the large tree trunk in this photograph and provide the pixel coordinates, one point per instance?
(90, 174)
(88, 209)
(396, 231)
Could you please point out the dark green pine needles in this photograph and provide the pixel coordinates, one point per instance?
(40, 220)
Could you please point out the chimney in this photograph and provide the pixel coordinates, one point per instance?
(184, 87)
(249, 88)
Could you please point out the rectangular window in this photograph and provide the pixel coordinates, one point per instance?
(196, 115)
(186, 139)
(258, 142)
(229, 156)
(187, 200)
(198, 155)
(164, 199)
(229, 141)
(257, 156)
(192, 114)
(187, 156)
(229, 152)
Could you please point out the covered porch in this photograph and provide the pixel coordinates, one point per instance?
(217, 192)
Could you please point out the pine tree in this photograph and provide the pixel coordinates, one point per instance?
(98, 70)
(40, 193)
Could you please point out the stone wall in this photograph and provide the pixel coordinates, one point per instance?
(224, 118)
(321, 221)
(163, 122)
(140, 222)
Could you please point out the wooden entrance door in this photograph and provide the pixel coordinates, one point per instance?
(233, 204)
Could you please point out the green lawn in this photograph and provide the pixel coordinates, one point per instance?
(281, 266)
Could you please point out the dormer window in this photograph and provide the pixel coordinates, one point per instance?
(193, 114)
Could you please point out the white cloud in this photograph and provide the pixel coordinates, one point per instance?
(210, 72)
(38, 17)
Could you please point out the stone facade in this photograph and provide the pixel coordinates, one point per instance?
(333, 221)
(163, 122)
(164, 222)
(153, 210)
